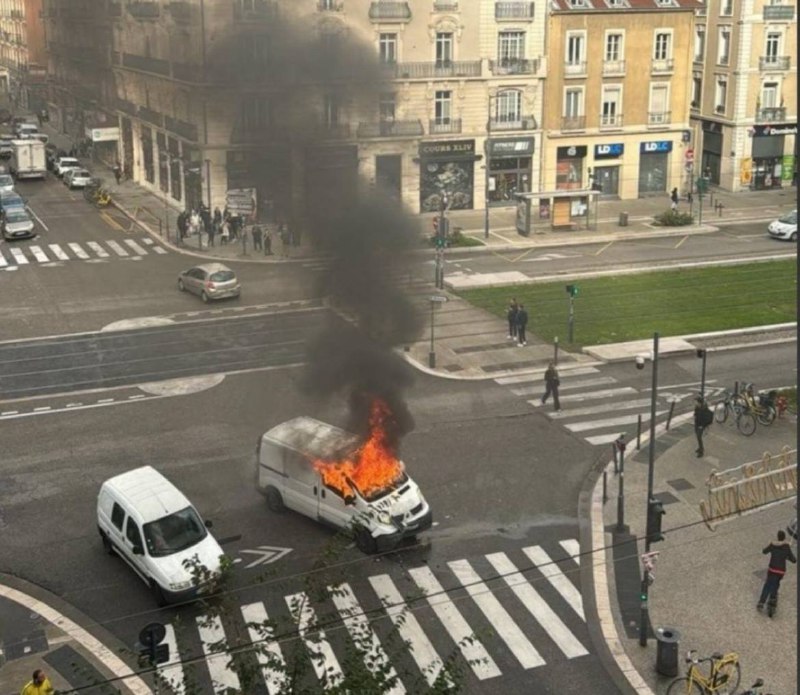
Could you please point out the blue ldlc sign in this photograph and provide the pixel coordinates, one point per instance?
(614, 149)
(655, 146)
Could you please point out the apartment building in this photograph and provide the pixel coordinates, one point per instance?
(616, 114)
(22, 52)
(744, 94)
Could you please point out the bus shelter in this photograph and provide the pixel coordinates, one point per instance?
(556, 210)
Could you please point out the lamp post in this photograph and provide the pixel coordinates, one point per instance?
(488, 153)
(701, 354)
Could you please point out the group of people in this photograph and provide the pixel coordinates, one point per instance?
(517, 322)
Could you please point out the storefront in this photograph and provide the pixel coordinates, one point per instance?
(605, 177)
(653, 163)
(711, 162)
(447, 168)
(510, 168)
(569, 167)
(770, 168)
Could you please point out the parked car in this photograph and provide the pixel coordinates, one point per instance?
(6, 146)
(10, 200)
(210, 281)
(784, 227)
(64, 164)
(17, 224)
(77, 178)
(6, 183)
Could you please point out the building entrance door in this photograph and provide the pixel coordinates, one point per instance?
(388, 174)
(608, 180)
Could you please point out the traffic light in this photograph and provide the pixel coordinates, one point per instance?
(655, 510)
(572, 290)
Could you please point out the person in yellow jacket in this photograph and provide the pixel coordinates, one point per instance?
(39, 685)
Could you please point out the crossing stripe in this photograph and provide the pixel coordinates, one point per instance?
(537, 606)
(609, 422)
(138, 250)
(602, 438)
(539, 376)
(3, 261)
(152, 244)
(99, 251)
(408, 627)
(556, 577)
(255, 615)
(592, 395)
(325, 663)
(601, 408)
(353, 617)
(116, 248)
(19, 257)
(159, 249)
(58, 252)
(77, 250)
(39, 255)
(539, 388)
(573, 549)
(474, 652)
(498, 616)
(172, 670)
(213, 637)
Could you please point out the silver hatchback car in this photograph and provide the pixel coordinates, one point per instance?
(210, 281)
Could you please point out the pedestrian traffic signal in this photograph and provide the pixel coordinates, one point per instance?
(655, 510)
(572, 290)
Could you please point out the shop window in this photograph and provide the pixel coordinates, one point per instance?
(387, 48)
(509, 175)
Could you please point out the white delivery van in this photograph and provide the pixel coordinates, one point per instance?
(28, 159)
(287, 477)
(149, 523)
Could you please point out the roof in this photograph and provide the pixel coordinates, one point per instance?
(212, 267)
(313, 438)
(149, 492)
(622, 5)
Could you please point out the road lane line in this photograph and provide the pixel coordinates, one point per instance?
(596, 409)
(42, 408)
(58, 252)
(321, 655)
(116, 248)
(255, 615)
(408, 627)
(358, 627)
(573, 548)
(537, 606)
(212, 635)
(556, 577)
(136, 248)
(19, 257)
(3, 261)
(39, 255)
(172, 670)
(597, 253)
(498, 616)
(78, 251)
(38, 219)
(9, 412)
(474, 652)
(680, 243)
(539, 376)
(106, 400)
(99, 251)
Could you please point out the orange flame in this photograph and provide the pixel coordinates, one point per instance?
(372, 467)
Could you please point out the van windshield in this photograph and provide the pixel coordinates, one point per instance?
(174, 533)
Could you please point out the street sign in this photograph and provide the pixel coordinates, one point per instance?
(152, 633)
(241, 201)
(438, 298)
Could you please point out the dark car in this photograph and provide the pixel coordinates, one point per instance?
(11, 200)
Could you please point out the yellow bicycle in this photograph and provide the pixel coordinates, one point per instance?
(722, 679)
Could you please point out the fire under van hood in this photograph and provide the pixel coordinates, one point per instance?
(400, 501)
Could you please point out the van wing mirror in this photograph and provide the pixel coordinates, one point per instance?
(209, 523)
(138, 550)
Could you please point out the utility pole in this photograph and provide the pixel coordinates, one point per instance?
(488, 153)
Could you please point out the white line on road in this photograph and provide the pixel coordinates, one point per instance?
(573, 548)
(106, 400)
(136, 248)
(609, 422)
(99, 251)
(3, 261)
(597, 409)
(212, 635)
(325, 663)
(38, 219)
(78, 251)
(566, 385)
(8, 412)
(605, 393)
(556, 577)
(116, 248)
(262, 633)
(41, 408)
(539, 375)
(58, 252)
(19, 257)
(39, 255)
(172, 670)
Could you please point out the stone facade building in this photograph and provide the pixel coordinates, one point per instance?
(22, 53)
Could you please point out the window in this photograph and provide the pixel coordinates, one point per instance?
(769, 95)
(699, 44)
(697, 91)
(726, 8)
(511, 46)
(444, 48)
(662, 46)
(255, 113)
(659, 100)
(386, 106)
(721, 96)
(117, 516)
(575, 49)
(442, 107)
(330, 106)
(508, 107)
(573, 103)
(772, 45)
(132, 533)
(724, 48)
(613, 47)
(611, 106)
(387, 48)
(255, 49)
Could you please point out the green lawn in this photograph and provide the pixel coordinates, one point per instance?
(672, 302)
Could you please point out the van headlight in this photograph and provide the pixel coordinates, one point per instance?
(180, 586)
(384, 518)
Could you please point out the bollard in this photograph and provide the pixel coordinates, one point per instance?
(639, 432)
(669, 416)
(719, 207)
(614, 451)
(605, 488)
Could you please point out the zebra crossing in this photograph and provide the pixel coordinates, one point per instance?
(528, 597)
(16, 256)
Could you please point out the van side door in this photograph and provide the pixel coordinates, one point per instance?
(133, 539)
(302, 485)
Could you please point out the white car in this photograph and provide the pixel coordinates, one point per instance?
(784, 227)
(77, 178)
(6, 183)
(64, 164)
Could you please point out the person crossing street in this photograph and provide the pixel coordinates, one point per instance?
(778, 553)
(551, 383)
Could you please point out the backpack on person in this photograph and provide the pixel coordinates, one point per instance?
(706, 416)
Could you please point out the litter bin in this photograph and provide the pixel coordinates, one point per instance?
(623, 219)
(667, 651)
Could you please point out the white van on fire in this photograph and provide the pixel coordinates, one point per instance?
(289, 464)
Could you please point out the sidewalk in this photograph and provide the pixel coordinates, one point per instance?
(706, 582)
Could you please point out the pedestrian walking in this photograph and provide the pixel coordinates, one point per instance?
(212, 231)
(522, 322)
(257, 237)
(551, 384)
(225, 235)
(674, 197)
(118, 172)
(778, 553)
(511, 315)
(38, 685)
(267, 242)
(181, 223)
(194, 223)
(285, 238)
(703, 417)
(217, 217)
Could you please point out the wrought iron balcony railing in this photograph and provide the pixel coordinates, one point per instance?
(512, 123)
(771, 114)
(144, 9)
(659, 117)
(390, 10)
(514, 66)
(610, 120)
(780, 12)
(434, 69)
(660, 65)
(573, 122)
(444, 125)
(575, 69)
(389, 129)
(512, 9)
(613, 67)
(774, 62)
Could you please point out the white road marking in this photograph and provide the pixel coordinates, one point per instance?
(602, 438)
(597, 409)
(41, 409)
(474, 652)
(539, 376)
(106, 400)
(58, 252)
(556, 577)
(19, 257)
(172, 670)
(592, 395)
(573, 548)
(116, 248)
(537, 606)
(158, 249)
(136, 248)
(255, 615)
(325, 663)
(136, 396)
(3, 261)
(78, 251)
(609, 422)
(38, 219)
(565, 386)
(38, 254)
(8, 412)
(408, 627)
(99, 251)
(498, 616)
(212, 635)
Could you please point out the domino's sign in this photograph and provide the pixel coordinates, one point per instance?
(614, 149)
(656, 146)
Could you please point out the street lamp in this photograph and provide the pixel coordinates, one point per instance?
(488, 153)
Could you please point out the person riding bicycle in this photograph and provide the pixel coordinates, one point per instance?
(778, 553)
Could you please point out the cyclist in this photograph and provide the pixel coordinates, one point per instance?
(778, 553)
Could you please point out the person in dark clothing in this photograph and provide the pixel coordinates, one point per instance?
(701, 411)
(551, 383)
(217, 217)
(118, 172)
(511, 315)
(522, 322)
(181, 224)
(257, 236)
(674, 197)
(212, 231)
(267, 242)
(778, 553)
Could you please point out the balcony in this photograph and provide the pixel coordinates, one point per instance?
(774, 62)
(144, 9)
(662, 65)
(187, 72)
(125, 106)
(330, 6)
(610, 120)
(513, 10)
(151, 116)
(182, 128)
(444, 126)
(333, 131)
(254, 10)
(613, 67)
(771, 114)
(659, 118)
(433, 69)
(575, 69)
(445, 5)
(390, 10)
(779, 12)
(512, 123)
(514, 66)
(145, 64)
(181, 11)
(390, 129)
(573, 123)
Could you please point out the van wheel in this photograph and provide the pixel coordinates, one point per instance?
(158, 595)
(107, 545)
(365, 542)
(275, 501)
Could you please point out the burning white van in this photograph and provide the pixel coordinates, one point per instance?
(341, 480)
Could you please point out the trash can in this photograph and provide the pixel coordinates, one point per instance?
(667, 651)
(623, 219)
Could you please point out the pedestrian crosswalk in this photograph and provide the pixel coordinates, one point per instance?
(528, 597)
(18, 255)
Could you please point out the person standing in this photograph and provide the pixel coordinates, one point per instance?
(674, 198)
(38, 685)
(225, 233)
(511, 315)
(778, 553)
(551, 384)
(703, 417)
(522, 322)
(285, 238)
(257, 237)
(118, 172)
(181, 222)
(267, 242)
(212, 232)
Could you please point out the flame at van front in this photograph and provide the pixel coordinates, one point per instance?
(373, 467)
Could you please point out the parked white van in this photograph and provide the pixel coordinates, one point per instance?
(287, 477)
(149, 523)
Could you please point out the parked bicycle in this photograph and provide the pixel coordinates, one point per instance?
(734, 405)
(762, 405)
(722, 679)
(94, 193)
